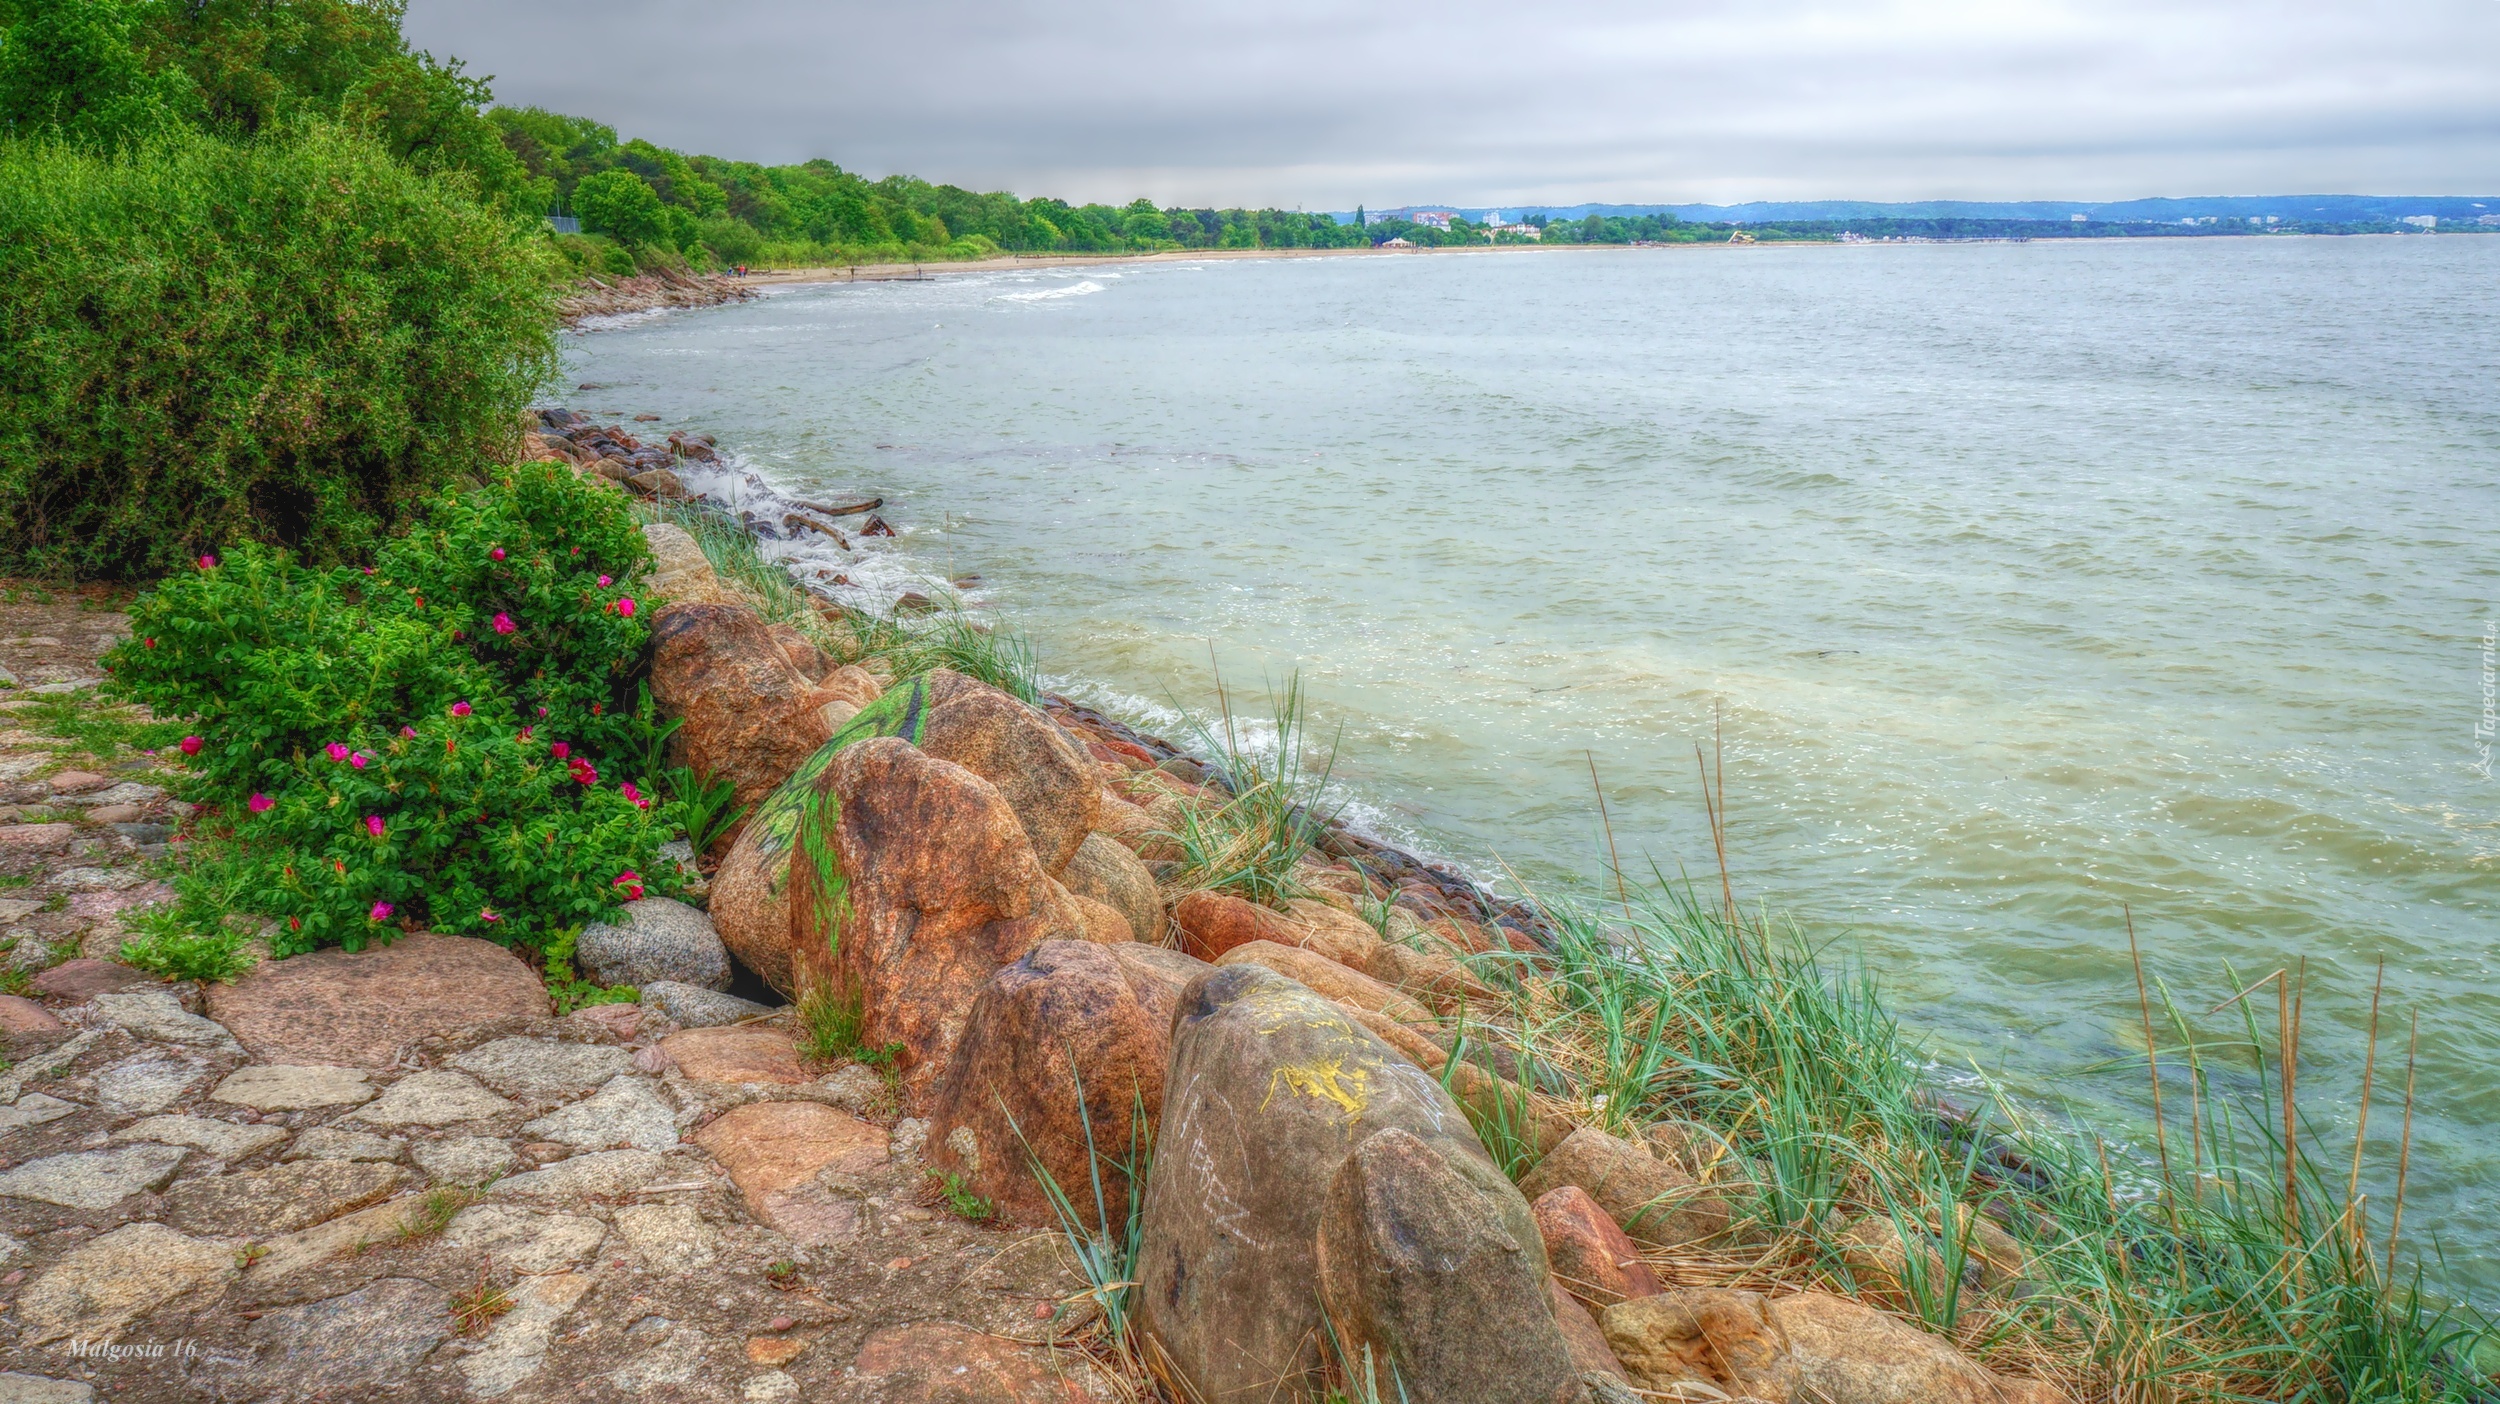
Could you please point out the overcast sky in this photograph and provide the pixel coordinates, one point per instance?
(1291, 102)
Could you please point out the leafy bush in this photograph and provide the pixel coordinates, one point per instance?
(434, 739)
(290, 340)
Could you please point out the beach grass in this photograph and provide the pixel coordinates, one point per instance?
(1250, 841)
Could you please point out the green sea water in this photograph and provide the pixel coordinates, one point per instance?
(2021, 587)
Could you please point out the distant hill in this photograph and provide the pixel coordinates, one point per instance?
(2326, 209)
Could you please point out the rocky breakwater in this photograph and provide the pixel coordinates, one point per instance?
(595, 296)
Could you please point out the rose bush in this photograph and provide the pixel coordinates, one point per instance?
(376, 749)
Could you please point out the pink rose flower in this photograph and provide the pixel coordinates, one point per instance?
(631, 881)
(635, 795)
(604, 582)
(525, 732)
(208, 562)
(560, 750)
(373, 825)
(459, 709)
(489, 914)
(504, 624)
(625, 605)
(381, 911)
(542, 711)
(260, 804)
(191, 745)
(337, 750)
(495, 555)
(359, 760)
(408, 731)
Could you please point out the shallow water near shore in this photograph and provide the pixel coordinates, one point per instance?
(2027, 585)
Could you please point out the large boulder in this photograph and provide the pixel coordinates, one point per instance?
(1326, 977)
(1590, 1254)
(681, 573)
(1727, 1340)
(1430, 1270)
(1046, 778)
(1069, 1016)
(1113, 876)
(1212, 923)
(1270, 1087)
(750, 717)
(1655, 1202)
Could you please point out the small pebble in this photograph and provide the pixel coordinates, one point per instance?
(784, 1323)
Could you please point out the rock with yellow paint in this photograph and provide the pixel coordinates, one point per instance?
(1270, 1090)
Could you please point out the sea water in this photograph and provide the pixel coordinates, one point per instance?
(2018, 587)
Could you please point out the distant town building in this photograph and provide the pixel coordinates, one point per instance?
(1401, 242)
(1435, 219)
(2422, 221)
(2078, 218)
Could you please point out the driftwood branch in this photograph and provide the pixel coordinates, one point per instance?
(795, 520)
(871, 505)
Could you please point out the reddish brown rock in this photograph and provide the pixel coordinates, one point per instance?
(1728, 1340)
(1341, 936)
(24, 1016)
(334, 1007)
(944, 890)
(939, 1362)
(72, 782)
(1110, 874)
(1102, 922)
(77, 981)
(1589, 1252)
(1067, 1016)
(802, 653)
(793, 1163)
(1655, 1202)
(1212, 923)
(1326, 977)
(1044, 776)
(744, 1053)
(36, 838)
(1430, 1267)
(750, 717)
(1428, 976)
(1125, 824)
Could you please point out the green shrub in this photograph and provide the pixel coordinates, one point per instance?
(439, 738)
(288, 340)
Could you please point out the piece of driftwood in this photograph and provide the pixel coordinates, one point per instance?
(871, 505)
(795, 520)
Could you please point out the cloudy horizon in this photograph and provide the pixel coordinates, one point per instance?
(1480, 104)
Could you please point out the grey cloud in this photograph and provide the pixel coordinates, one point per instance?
(1479, 102)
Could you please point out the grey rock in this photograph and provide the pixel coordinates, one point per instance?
(606, 1172)
(63, 689)
(431, 1099)
(663, 1355)
(286, 1087)
(17, 1388)
(659, 940)
(93, 1179)
(282, 1199)
(463, 1160)
(34, 1109)
(125, 793)
(144, 834)
(375, 1336)
(518, 1346)
(332, 1143)
(222, 1139)
(98, 879)
(628, 1112)
(543, 1068)
(104, 1284)
(158, 1015)
(148, 1083)
(699, 1008)
(524, 1241)
(670, 1239)
(17, 909)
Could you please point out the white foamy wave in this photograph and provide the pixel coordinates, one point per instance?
(1046, 294)
(611, 321)
(870, 573)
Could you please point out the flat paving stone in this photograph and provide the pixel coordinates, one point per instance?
(543, 1068)
(101, 1286)
(17, 1387)
(438, 1098)
(77, 981)
(604, 1172)
(517, 1348)
(463, 1160)
(628, 1112)
(281, 1199)
(749, 1053)
(336, 1007)
(335, 1143)
(158, 1015)
(790, 1159)
(148, 1083)
(96, 1179)
(371, 1338)
(35, 1109)
(698, 1008)
(523, 1240)
(294, 1087)
(225, 1140)
(670, 1239)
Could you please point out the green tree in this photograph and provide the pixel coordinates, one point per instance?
(622, 205)
(73, 69)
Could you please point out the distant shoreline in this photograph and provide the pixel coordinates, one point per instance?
(913, 272)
